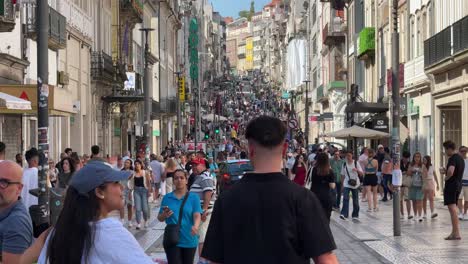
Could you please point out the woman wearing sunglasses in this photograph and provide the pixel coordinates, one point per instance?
(181, 199)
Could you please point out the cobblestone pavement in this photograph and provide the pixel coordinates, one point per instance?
(420, 242)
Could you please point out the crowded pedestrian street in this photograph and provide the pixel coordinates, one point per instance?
(233, 132)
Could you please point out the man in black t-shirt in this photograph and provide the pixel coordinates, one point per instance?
(266, 218)
(453, 185)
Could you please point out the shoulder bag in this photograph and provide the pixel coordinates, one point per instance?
(351, 182)
(172, 231)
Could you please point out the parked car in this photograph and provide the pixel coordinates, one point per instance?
(232, 171)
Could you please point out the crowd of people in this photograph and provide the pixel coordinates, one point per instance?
(305, 187)
(335, 176)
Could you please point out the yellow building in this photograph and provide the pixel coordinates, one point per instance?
(249, 56)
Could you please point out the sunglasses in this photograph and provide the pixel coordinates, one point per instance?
(4, 183)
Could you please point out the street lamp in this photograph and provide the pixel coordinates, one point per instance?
(306, 118)
(148, 97)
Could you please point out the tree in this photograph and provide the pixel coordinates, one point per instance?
(252, 10)
(244, 13)
(248, 13)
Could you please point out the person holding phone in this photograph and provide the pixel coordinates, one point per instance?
(184, 252)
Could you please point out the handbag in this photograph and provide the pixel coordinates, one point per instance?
(351, 182)
(172, 231)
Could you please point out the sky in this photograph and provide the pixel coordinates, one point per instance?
(232, 7)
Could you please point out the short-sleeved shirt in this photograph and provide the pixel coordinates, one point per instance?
(266, 218)
(157, 170)
(348, 173)
(457, 161)
(16, 232)
(321, 183)
(113, 243)
(336, 166)
(192, 205)
(203, 183)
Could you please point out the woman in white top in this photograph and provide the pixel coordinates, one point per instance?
(84, 232)
(429, 186)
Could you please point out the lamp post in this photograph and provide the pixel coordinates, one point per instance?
(148, 97)
(306, 118)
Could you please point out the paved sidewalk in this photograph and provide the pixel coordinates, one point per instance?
(420, 242)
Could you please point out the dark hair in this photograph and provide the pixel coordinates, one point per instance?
(429, 162)
(323, 164)
(153, 157)
(267, 131)
(131, 164)
(450, 145)
(32, 153)
(139, 162)
(95, 150)
(183, 171)
(414, 162)
(70, 162)
(17, 155)
(363, 149)
(73, 235)
(296, 164)
(75, 158)
(243, 155)
(2, 147)
(67, 150)
(406, 154)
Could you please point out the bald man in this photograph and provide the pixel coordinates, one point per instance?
(16, 233)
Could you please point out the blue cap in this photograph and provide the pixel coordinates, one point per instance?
(94, 174)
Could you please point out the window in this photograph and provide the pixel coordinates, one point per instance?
(418, 37)
(414, 134)
(314, 46)
(426, 140)
(412, 39)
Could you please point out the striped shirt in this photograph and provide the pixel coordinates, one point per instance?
(204, 183)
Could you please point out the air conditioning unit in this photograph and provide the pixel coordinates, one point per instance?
(63, 78)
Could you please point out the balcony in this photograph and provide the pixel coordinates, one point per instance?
(7, 16)
(321, 94)
(336, 85)
(414, 71)
(76, 18)
(167, 106)
(102, 67)
(333, 33)
(366, 44)
(132, 9)
(447, 49)
(57, 26)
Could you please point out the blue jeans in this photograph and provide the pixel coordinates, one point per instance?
(387, 179)
(140, 198)
(337, 192)
(345, 209)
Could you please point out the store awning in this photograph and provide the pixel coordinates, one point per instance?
(11, 102)
(364, 107)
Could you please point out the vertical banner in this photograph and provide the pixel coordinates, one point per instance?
(182, 89)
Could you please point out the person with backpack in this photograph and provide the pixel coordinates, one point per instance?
(350, 172)
(416, 194)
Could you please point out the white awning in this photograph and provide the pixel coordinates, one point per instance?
(14, 103)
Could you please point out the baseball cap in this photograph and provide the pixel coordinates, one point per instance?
(95, 174)
(197, 161)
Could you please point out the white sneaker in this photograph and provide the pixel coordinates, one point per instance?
(465, 217)
(138, 227)
(402, 216)
(460, 216)
(424, 216)
(434, 215)
(355, 218)
(146, 224)
(130, 225)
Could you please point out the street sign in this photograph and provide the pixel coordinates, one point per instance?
(292, 123)
(313, 118)
(182, 89)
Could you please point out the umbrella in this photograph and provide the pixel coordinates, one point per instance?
(211, 117)
(357, 132)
